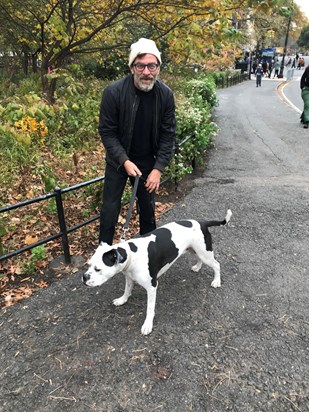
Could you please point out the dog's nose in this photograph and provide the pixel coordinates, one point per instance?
(86, 277)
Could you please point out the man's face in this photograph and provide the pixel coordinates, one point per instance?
(144, 79)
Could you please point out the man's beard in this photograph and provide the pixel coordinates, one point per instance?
(144, 87)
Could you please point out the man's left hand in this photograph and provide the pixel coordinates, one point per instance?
(153, 180)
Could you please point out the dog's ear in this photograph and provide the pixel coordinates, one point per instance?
(110, 258)
(121, 254)
(113, 256)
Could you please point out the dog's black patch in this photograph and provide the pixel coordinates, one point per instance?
(133, 247)
(160, 252)
(207, 236)
(109, 258)
(185, 223)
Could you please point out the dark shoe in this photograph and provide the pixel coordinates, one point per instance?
(306, 124)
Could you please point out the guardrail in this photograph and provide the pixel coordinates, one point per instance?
(64, 231)
(231, 80)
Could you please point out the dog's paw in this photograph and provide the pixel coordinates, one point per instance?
(196, 267)
(146, 328)
(120, 301)
(216, 283)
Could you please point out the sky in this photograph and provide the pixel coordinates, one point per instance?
(304, 5)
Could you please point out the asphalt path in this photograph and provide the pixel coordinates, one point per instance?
(291, 89)
(242, 347)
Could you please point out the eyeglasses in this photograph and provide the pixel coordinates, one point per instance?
(140, 67)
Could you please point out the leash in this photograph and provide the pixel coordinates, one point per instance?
(125, 227)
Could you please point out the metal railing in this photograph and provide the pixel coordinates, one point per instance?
(64, 231)
(231, 80)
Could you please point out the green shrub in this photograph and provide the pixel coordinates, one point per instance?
(38, 253)
(205, 88)
(193, 119)
(16, 158)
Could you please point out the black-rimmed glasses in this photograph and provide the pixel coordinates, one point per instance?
(140, 67)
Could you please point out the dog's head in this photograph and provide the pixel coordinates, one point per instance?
(106, 262)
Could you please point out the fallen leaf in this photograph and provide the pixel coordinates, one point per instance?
(29, 239)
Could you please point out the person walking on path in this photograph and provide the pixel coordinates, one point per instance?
(137, 127)
(258, 75)
(304, 85)
(277, 68)
(270, 68)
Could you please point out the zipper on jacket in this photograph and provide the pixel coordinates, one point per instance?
(134, 111)
(155, 125)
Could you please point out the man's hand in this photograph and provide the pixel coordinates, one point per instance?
(131, 168)
(153, 180)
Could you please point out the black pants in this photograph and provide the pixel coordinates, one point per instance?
(114, 185)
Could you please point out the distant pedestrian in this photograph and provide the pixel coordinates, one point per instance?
(269, 68)
(304, 85)
(258, 75)
(254, 66)
(289, 62)
(293, 64)
(277, 68)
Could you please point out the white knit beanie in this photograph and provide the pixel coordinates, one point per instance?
(143, 46)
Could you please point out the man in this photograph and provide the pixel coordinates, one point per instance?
(137, 128)
(304, 85)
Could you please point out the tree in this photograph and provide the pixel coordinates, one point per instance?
(58, 31)
(303, 40)
(268, 26)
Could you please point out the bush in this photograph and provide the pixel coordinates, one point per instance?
(193, 119)
(205, 88)
(106, 68)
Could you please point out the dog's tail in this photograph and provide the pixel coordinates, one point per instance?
(223, 222)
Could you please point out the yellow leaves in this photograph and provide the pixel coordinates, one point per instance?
(26, 124)
(43, 128)
(29, 127)
(29, 239)
(196, 28)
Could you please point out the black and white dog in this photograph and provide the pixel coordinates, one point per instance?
(144, 259)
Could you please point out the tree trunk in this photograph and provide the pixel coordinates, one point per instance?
(34, 63)
(48, 85)
(25, 60)
(51, 91)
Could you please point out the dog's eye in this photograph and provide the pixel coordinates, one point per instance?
(97, 269)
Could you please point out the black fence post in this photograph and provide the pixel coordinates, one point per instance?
(63, 228)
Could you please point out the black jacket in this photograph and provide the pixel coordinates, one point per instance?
(117, 117)
(304, 81)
